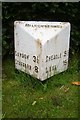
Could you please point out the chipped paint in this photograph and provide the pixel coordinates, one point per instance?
(39, 47)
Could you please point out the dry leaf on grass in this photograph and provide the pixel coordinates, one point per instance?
(66, 89)
(61, 87)
(76, 83)
(34, 103)
(41, 98)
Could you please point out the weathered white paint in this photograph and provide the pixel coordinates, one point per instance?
(41, 48)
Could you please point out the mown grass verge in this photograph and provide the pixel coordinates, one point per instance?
(26, 97)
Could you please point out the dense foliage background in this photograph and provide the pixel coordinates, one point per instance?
(39, 11)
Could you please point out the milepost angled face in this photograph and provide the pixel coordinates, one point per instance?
(41, 48)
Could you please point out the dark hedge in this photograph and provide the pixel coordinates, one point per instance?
(66, 12)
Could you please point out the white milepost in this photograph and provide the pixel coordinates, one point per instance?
(41, 48)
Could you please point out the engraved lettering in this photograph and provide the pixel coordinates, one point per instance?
(46, 58)
(34, 58)
(20, 54)
(37, 59)
(23, 64)
(52, 57)
(46, 70)
(27, 56)
(49, 58)
(19, 63)
(60, 55)
(45, 25)
(65, 62)
(28, 66)
(65, 53)
(50, 68)
(54, 67)
(36, 69)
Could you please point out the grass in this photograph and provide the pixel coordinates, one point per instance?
(26, 97)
